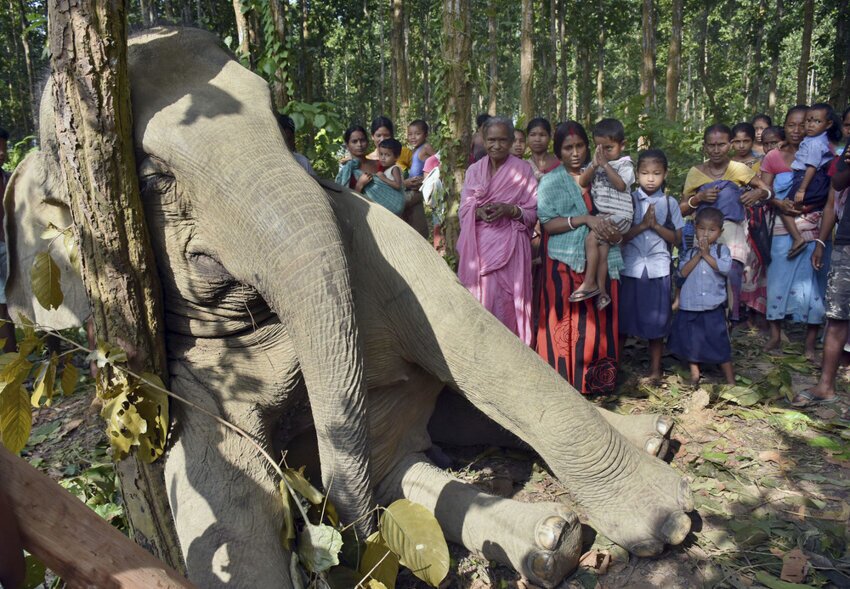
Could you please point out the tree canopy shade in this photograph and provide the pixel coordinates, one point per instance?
(585, 57)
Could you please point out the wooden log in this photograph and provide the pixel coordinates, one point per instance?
(72, 540)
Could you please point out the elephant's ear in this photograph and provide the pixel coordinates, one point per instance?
(35, 199)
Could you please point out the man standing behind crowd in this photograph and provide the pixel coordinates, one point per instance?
(7, 329)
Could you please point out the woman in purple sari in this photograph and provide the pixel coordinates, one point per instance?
(498, 210)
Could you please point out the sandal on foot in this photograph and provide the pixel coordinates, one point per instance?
(602, 302)
(808, 399)
(796, 250)
(583, 295)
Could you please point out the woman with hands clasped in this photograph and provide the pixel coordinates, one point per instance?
(498, 209)
(729, 186)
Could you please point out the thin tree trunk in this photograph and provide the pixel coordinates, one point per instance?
(674, 61)
(805, 55)
(306, 62)
(647, 71)
(31, 105)
(552, 70)
(457, 47)
(758, 27)
(91, 93)
(383, 62)
(838, 91)
(600, 63)
(702, 58)
(492, 30)
(401, 97)
(148, 10)
(526, 62)
(775, 46)
(280, 92)
(565, 60)
(585, 86)
(243, 48)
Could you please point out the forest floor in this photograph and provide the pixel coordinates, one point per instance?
(766, 478)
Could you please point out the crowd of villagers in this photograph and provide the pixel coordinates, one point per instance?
(574, 244)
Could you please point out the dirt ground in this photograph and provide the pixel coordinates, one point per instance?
(767, 478)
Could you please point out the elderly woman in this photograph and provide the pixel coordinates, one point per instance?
(498, 209)
(579, 341)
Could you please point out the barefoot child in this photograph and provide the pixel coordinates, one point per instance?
(699, 333)
(610, 176)
(388, 153)
(645, 278)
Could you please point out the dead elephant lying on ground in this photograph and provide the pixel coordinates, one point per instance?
(292, 305)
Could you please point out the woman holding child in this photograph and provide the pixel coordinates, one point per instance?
(362, 174)
(577, 339)
(794, 288)
(498, 207)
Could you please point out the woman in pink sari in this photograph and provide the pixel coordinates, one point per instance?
(498, 209)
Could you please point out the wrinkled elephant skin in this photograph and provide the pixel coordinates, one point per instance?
(292, 305)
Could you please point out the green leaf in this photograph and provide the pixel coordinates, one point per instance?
(318, 547)
(718, 457)
(302, 486)
(35, 572)
(45, 281)
(376, 552)
(743, 396)
(319, 120)
(15, 416)
(298, 119)
(825, 442)
(412, 532)
(70, 376)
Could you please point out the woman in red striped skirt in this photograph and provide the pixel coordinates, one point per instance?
(577, 339)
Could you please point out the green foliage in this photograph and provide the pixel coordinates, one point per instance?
(97, 488)
(319, 129)
(18, 151)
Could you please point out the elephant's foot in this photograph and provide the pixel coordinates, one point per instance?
(542, 541)
(649, 432)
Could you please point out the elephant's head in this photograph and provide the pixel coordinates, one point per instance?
(205, 135)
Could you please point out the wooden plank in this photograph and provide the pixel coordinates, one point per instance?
(72, 540)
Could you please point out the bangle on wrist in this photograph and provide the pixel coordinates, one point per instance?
(820, 241)
(570, 223)
(769, 194)
(692, 205)
(518, 214)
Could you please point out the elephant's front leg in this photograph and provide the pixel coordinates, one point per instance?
(542, 541)
(225, 504)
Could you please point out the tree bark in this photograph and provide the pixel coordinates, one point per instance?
(243, 48)
(754, 93)
(777, 33)
(457, 47)
(91, 95)
(148, 10)
(280, 92)
(647, 71)
(838, 90)
(702, 58)
(674, 61)
(492, 30)
(306, 61)
(585, 85)
(401, 98)
(805, 55)
(526, 62)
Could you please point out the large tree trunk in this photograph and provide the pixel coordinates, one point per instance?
(805, 55)
(401, 97)
(647, 70)
(838, 88)
(280, 92)
(674, 61)
(457, 51)
(775, 46)
(91, 94)
(526, 62)
(492, 30)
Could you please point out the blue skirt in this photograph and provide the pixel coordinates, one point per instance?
(794, 288)
(700, 337)
(645, 305)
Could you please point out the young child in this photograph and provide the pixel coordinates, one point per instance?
(645, 282)
(518, 148)
(772, 138)
(811, 183)
(610, 176)
(699, 333)
(760, 122)
(417, 139)
(388, 153)
(743, 139)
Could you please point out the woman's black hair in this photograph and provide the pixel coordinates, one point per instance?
(4, 134)
(796, 108)
(382, 121)
(834, 133)
(845, 113)
(419, 123)
(538, 122)
(775, 129)
(346, 137)
(717, 128)
(652, 155)
(762, 117)
(481, 119)
(564, 130)
(745, 128)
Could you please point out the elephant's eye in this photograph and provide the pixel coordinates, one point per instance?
(153, 175)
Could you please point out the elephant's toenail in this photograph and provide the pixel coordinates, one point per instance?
(663, 425)
(648, 548)
(542, 566)
(653, 445)
(686, 498)
(676, 527)
(549, 531)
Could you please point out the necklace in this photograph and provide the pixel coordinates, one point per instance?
(714, 174)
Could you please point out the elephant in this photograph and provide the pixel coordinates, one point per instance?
(320, 322)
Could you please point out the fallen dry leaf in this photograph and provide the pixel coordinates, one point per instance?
(776, 457)
(795, 566)
(597, 560)
(826, 413)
